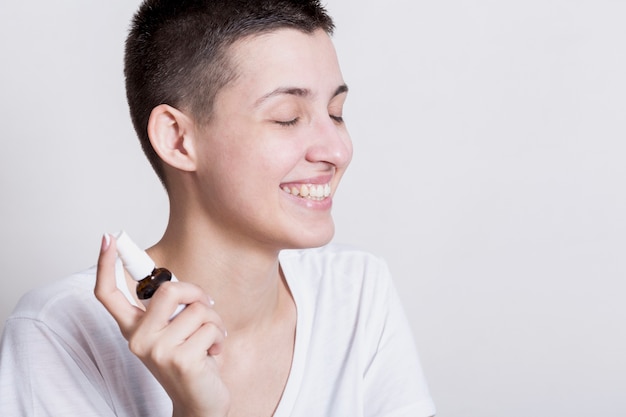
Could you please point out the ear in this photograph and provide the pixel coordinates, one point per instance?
(171, 134)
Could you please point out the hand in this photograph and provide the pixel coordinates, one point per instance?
(179, 353)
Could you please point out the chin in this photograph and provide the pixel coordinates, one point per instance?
(315, 239)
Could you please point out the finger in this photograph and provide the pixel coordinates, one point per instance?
(207, 340)
(167, 298)
(190, 320)
(165, 345)
(106, 291)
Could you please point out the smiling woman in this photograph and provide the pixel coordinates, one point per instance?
(239, 108)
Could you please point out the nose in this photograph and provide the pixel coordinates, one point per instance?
(330, 143)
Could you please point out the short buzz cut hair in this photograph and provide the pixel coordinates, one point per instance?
(177, 52)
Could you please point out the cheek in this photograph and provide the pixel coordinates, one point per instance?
(278, 158)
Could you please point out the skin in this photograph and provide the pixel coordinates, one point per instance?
(277, 125)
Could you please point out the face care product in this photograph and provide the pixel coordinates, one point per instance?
(143, 270)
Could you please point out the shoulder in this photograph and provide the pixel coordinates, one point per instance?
(64, 307)
(60, 339)
(38, 303)
(336, 275)
(62, 325)
(346, 295)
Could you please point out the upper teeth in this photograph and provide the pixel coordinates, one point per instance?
(312, 191)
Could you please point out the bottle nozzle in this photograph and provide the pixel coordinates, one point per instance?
(136, 261)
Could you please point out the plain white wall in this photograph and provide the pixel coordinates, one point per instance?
(490, 140)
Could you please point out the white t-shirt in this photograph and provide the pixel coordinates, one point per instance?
(62, 354)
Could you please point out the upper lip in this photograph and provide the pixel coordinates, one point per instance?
(321, 180)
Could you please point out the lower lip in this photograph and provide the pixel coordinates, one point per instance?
(324, 204)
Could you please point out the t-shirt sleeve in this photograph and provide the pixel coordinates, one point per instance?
(394, 381)
(41, 375)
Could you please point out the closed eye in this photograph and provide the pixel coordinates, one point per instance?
(288, 122)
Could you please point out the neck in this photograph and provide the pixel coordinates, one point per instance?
(246, 282)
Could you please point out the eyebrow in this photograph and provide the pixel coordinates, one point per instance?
(295, 91)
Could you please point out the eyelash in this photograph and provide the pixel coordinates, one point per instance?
(288, 123)
(337, 119)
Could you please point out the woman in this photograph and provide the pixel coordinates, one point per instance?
(238, 106)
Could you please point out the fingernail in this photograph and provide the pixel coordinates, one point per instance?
(106, 242)
(211, 300)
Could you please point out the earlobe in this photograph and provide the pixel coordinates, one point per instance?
(171, 135)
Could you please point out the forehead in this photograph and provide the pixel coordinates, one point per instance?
(285, 57)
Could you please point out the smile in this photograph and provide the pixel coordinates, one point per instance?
(309, 191)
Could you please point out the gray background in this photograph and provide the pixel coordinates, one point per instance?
(489, 171)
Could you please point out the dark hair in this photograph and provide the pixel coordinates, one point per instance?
(177, 52)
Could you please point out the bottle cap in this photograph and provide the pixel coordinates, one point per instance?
(136, 261)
